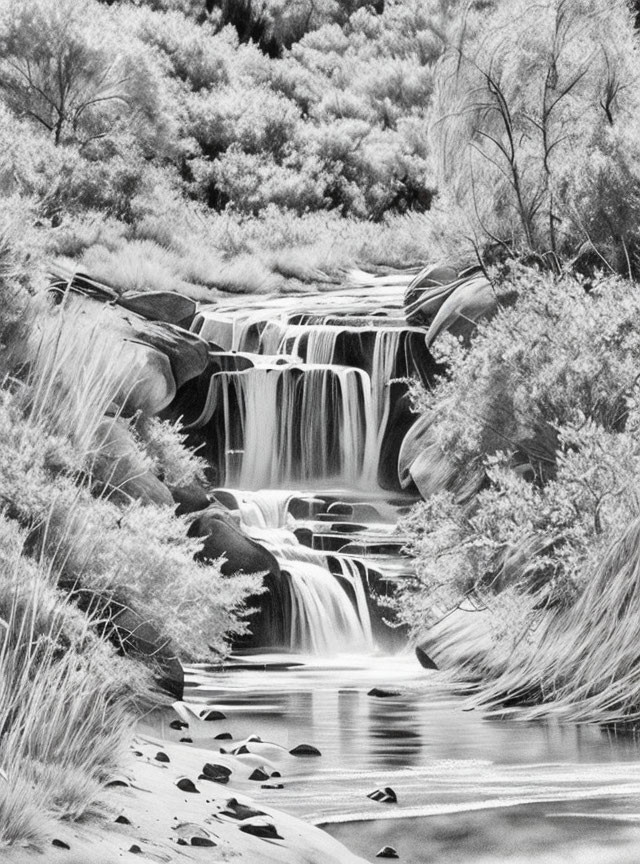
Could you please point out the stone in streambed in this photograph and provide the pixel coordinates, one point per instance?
(186, 785)
(135, 849)
(186, 740)
(384, 796)
(202, 841)
(387, 852)
(162, 757)
(236, 810)
(60, 844)
(215, 773)
(272, 786)
(305, 750)
(242, 750)
(258, 774)
(266, 830)
(383, 694)
(213, 715)
(223, 736)
(178, 724)
(122, 820)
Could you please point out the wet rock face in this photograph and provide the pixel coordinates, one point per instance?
(222, 537)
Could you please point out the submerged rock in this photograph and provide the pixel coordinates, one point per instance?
(387, 852)
(383, 694)
(305, 750)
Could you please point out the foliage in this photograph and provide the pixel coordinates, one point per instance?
(544, 404)
(536, 114)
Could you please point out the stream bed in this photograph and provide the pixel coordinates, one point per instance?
(469, 788)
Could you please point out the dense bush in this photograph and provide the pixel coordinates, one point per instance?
(542, 412)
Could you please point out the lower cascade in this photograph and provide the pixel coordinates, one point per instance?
(294, 420)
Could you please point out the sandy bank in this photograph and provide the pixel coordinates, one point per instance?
(165, 820)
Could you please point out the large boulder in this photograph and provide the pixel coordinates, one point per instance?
(166, 306)
(471, 300)
(223, 538)
(422, 462)
(120, 467)
(460, 639)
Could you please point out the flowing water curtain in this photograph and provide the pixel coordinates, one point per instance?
(279, 425)
(321, 620)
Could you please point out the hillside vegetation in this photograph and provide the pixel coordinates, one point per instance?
(242, 147)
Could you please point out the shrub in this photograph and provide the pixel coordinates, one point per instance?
(542, 411)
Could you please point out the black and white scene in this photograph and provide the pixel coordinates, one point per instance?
(319, 431)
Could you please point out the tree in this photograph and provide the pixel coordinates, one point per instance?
(535, 110)
(63, 65)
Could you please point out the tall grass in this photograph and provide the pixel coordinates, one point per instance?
(584, 662)
(64, 721)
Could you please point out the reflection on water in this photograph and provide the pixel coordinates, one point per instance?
(439, 758)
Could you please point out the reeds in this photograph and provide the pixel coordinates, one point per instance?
(584, 664)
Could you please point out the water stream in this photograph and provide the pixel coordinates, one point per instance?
(298, 420)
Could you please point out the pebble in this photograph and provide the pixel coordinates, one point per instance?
(178, 724)
(267, 830)
(162, 757)
(387, 852)
(223, 736)
(135, 849)
(60, 844)
(383, 694)
(305, 750)
(186, 785)
(122, 820)
(258, 774)
(385, 796)
(213, 715)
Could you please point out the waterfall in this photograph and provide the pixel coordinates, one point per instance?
(299, 399)
(287, 425)
(322, 619)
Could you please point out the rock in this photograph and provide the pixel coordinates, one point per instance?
(276, 774)
(214, 771)
(223, 736)
(472, 299)
(212, 714)
(117, 781)
(147, 384)
(202, 841)
(222, 538)
(60, 844)
(383, 694)
(178, 724)
(166, 306)
(135, 849)
(272, 786)
(305, 750)
(401, 419)
(186, 740)
(122, 820)
(162, 757)
(384, 796)
(186, 785)
(121, 468)
(258, 774)
(265, 829)
(190, 499)
(242, 750)
(187, 353)
(424, 660)
(240, 811)
(387, 852)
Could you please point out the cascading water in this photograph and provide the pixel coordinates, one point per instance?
(297, 407)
